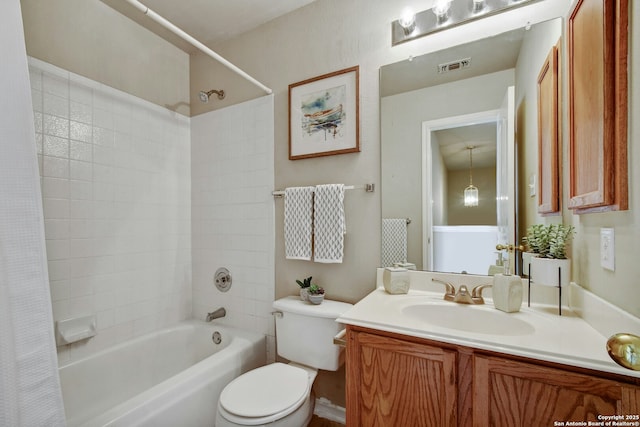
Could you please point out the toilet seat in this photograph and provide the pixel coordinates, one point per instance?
(265, 394)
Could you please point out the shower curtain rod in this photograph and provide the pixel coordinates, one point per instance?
(177, 31)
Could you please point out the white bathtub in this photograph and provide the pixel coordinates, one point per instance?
(172, 377)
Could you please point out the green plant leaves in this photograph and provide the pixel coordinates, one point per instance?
(550, 241)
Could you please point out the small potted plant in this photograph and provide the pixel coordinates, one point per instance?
(304, 284)
(551, 266)
(316, 294)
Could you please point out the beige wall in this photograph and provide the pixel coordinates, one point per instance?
(89, 38)
(325, 36)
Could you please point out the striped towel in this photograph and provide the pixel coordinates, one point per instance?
(298, 214)
(329, 224)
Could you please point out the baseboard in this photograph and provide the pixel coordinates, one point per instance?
(327, 410)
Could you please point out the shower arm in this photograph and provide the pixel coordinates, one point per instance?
(177, 31)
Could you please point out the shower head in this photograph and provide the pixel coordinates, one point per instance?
(204, 96)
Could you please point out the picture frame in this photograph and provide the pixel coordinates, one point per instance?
(324, 116)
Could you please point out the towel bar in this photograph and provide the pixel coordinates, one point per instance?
(369, 188)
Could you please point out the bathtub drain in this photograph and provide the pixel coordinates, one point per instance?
(216, 337)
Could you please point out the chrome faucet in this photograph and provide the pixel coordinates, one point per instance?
(221, 312)
(463, 296)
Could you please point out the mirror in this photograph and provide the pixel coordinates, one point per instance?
(463, 115)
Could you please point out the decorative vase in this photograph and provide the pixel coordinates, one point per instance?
(304, 294)
(526, 261)
(395, 280)
(547, 271)
(316, 298)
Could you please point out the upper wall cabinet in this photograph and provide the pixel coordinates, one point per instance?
(548, 136)
(598, 50)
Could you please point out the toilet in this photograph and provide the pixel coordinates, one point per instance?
(280, 394)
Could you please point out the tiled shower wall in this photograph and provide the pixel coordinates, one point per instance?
(232, 214)
(117, 206)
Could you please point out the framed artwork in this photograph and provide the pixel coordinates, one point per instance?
(324, 115)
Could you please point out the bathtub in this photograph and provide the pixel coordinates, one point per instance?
(172, 377)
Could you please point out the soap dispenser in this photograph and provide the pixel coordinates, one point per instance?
(498, 267)
(507, 290)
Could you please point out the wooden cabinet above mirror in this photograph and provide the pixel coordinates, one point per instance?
(598, 50)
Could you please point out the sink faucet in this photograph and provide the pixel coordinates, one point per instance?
(463, 296)
(221, 312)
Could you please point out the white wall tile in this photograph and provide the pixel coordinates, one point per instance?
(232, 225)
(88, 237)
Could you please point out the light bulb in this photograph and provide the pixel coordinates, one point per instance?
(407, 21)
(478, 5)
(441, 10)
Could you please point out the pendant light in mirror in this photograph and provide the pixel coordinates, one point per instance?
(471, 192)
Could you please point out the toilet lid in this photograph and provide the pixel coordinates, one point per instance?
(265, 391)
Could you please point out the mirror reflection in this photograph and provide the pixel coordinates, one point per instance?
(465, 116)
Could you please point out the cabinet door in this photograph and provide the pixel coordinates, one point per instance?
(548, 142)
(598, 50)
(509, 393)
(392, 382)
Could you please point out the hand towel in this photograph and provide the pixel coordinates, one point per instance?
(298, 222)
(394, 241)
(329, 223)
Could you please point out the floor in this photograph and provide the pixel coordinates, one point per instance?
(322, 422)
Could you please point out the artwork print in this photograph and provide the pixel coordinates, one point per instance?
(323, 115)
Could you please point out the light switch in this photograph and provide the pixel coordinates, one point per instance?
(533, 182)
(607, 249)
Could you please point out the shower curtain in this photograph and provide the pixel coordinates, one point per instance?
(29, 384)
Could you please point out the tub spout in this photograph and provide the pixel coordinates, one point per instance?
(221, 312)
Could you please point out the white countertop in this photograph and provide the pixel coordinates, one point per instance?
(566, 339)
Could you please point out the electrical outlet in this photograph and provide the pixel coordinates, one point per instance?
(607, 249)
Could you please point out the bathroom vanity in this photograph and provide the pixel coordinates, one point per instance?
(477, 366)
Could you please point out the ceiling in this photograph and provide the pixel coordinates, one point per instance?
(486, 56)
(208, 21)
(454, 143)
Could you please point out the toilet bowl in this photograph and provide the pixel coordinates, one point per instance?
(277, 395)
(280, 395)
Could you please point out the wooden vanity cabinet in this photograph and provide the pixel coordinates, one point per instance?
(396, 380)
(511, 393)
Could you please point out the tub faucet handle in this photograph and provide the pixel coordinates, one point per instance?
(221, 312)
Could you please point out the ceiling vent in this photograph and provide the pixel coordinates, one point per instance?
(458, 64)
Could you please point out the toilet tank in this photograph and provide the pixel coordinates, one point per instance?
(304, 332)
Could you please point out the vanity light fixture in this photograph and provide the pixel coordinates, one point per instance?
(447, 14)
(471, 192)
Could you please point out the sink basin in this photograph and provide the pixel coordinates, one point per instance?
(481, 320)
